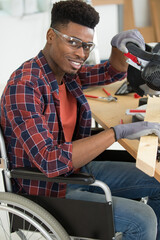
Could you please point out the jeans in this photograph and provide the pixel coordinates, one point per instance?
(136, 220)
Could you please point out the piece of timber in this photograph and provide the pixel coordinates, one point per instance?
(104, 2)
(128, 16)
(155, 17)
(148, 32)
(147, 150)
(157, 171)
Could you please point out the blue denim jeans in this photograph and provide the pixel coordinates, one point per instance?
(137, 221)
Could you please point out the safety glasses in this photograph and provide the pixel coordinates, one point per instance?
(75, 43)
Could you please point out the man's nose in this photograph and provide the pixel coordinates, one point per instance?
(80, 52)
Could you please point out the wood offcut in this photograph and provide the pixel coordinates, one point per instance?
(147, 150)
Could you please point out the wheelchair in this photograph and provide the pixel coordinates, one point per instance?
(39, 217)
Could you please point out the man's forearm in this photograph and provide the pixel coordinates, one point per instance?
(118, 60)
(86, 149)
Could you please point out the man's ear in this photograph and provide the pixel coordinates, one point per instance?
(50, 35)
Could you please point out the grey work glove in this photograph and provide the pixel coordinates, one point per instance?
(134, 36)
(136, 130)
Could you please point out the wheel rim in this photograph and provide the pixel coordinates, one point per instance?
(30, 220)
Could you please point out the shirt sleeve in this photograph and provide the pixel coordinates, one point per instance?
(25, 108)
(100, 74)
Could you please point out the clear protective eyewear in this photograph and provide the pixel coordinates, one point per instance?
(75, 43)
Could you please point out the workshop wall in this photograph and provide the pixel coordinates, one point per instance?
(20, 39)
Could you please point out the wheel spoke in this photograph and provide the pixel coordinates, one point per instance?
(26, 220)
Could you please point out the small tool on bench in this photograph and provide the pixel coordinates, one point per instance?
(110, 97)
(135, 111)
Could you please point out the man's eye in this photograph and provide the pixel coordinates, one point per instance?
(86, 47)
(72, 43)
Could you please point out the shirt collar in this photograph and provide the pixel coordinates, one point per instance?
(47, 71)
(49, 75)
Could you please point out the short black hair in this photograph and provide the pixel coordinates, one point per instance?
(75, 11)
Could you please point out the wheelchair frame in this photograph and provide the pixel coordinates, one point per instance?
(61, 233)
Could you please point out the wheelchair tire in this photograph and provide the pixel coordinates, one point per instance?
(34, 222)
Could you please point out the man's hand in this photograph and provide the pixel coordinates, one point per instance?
(136, 130)
(119, 41)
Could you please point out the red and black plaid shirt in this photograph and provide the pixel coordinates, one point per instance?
(30, 119)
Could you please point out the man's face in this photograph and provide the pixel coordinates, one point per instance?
(63, 57)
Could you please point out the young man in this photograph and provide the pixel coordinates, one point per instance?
(46, 121)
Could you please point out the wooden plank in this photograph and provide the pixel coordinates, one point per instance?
(148, 32)
(128, 16)
(157, 171)
(103, 2)
(147, 150)
(146, 156)
(155, 10)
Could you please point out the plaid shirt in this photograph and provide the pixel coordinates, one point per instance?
(30, 119)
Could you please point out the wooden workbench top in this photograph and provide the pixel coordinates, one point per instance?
(109, 114)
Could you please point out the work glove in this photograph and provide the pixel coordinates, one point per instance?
(136, 130)
(119, 40)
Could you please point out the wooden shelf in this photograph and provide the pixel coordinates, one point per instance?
(148, 32)
(103, 2)
(155, 9)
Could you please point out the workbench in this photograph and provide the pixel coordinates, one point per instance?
(109, 114)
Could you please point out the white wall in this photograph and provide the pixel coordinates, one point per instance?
(141, 13)
(106, 28)
(22, 37)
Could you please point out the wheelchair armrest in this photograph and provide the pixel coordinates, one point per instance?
(35, 174)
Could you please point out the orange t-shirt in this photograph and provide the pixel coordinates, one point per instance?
(68, 112)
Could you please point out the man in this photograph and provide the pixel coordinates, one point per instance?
(46, 121)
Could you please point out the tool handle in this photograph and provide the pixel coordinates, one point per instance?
(137, 110)
(134, 111)
(132, 57)
(91, 96)
(106, 92)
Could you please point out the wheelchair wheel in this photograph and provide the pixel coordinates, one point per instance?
(21, 218)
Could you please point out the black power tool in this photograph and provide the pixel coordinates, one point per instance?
(144, 69)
